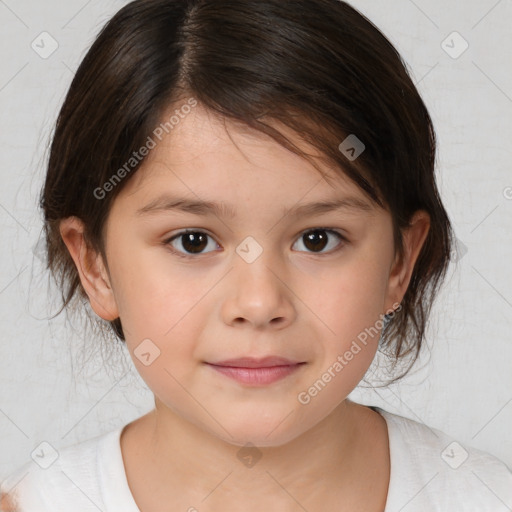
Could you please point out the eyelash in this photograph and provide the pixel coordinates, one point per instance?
(167, 242)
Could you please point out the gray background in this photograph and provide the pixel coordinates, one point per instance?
(53, 391)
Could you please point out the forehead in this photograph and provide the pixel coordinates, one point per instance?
(205, 154)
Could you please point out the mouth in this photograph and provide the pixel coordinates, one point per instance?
(257, 372)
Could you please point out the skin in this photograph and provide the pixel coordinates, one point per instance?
(7, 503)
(291, 301)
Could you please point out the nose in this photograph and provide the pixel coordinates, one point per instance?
(258, 297)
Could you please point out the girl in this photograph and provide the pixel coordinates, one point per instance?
(244, 192)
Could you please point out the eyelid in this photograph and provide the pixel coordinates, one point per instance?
(167, 241)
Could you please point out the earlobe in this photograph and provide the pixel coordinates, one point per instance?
(414, 237)
(91, 269)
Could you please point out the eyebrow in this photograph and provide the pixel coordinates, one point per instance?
(167, 203)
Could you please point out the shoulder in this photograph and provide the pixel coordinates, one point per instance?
(430, 470)
(65, 479)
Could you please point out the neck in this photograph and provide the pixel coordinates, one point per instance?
(180, 461)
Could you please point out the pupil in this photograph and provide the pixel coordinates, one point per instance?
(195, 242)
(316, 240)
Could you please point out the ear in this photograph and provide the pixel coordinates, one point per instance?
(400, 274)
(91, 269)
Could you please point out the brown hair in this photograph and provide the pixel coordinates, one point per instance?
(317, 66)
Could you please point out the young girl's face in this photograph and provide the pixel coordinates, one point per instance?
(265, 274)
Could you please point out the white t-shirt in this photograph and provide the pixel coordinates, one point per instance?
(430, 472)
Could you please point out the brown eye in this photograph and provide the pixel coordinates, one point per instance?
(318, 239)
(192, 242)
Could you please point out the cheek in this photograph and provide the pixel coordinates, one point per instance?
(350, 305)
(155, 295)
(162, 309)
(164, 316)
(350, 300)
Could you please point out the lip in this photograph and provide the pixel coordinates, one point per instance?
(253, 362)
(257, 372)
